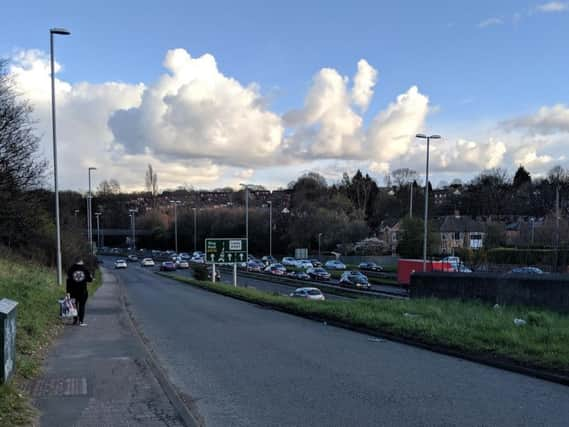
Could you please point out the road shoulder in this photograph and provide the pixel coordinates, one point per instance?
(100, 374)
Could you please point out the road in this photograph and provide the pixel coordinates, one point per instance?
(243, 365)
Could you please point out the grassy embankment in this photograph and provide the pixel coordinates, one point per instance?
(469, 327)
(37, 323)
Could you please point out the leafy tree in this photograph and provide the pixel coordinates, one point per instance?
(109, 187)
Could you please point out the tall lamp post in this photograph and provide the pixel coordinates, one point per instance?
(195, 228)
(90, 214)
(132, 213)
(246, 186)
(175, 203)
(319, 236)
(52, 32)
(97, 215)
(425, 232)
(270, 203)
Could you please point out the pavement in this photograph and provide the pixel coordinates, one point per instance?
(99, 375)
(238, 364)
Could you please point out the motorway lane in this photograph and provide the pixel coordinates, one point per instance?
(243, 365)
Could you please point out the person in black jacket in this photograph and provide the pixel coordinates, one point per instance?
(77, 278)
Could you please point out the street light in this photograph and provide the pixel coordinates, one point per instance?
(97, 215)
(428, 138)
(246, 218)
(319, 236)
(175, 203)
(132, 213)
(89, 213)
(195, 228)
(63, 32)
(270, 203)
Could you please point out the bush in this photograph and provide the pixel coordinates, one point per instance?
(200, 272)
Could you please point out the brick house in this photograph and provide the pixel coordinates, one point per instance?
(461, 232)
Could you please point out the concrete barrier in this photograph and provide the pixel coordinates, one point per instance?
(548, 290)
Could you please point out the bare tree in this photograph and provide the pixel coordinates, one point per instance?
(403, 176)
(21, 169)
(106, 188)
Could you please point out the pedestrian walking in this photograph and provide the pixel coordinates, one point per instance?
(77, 278)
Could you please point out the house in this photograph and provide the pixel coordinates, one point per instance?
(391, 233)
(461, 232)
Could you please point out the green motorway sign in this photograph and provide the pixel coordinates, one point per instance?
(225, 250)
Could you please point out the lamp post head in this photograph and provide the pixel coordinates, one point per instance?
(60, 31)
(421, 135)
(435, 137)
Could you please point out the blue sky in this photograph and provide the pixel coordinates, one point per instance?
(479, 63)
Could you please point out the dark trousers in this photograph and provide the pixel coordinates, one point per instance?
(80, 301)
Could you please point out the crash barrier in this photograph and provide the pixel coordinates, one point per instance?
(7, 339)
(323, 286)
(547, 290)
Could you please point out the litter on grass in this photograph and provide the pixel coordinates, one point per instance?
(519, 322)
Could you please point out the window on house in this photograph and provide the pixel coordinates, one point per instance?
(476, 236)
(457, 235)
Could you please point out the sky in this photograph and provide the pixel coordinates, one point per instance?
(219, 93)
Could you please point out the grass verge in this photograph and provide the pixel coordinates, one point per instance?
(470, 328)
(35, 289)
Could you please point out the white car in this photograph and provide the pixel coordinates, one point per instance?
(335, 265)
(120, 263)
(288, 261)
(182, 263)
(147, 262)
(198, 260)
(312, 294)
(304, 264)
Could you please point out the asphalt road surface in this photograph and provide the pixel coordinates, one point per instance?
(242, 365)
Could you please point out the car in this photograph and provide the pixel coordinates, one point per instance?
(288, 261)
(463, 269)
(354, 279)
(167, 266)
(304, 264)
(370, 266)
(316, 263)
(217, 273)
(311, 294)
(147, 262)
(185, 256)
(120, 263)
(255, 265)
(526, 270)
(182, 263)
(318, 273)
(132, 258)
(334, 264)
(300, 275)
(268, 260)
(276, 269)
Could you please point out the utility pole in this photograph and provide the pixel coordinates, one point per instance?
(90, 214)
(426, 225)
(270, 228)
(133, 225)
(319, 236)
(175, 203)
(97, 216)
(195, 228)
(411, 200)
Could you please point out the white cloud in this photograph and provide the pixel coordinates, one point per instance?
(553, 7)
(546, 121)
(364, 82)
(490, 22)
(197, 112)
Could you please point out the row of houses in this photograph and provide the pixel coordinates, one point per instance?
(464, 232)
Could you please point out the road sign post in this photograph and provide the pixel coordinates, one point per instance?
(225, 251)
(213, 273)
(7, 339)
(235, 274)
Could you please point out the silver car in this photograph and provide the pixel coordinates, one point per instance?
(311, 294)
